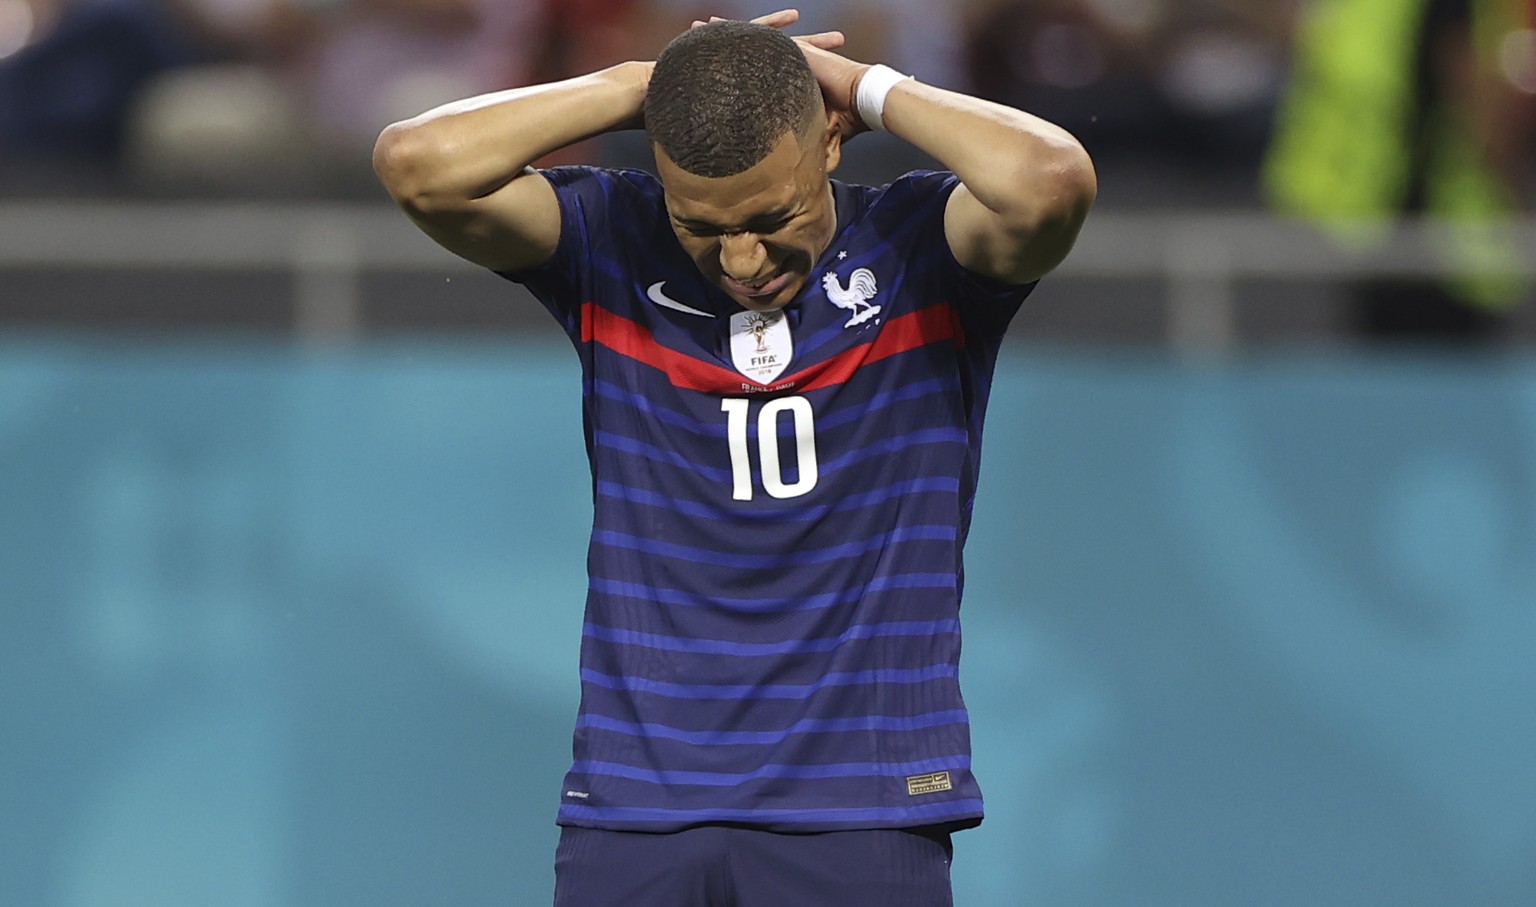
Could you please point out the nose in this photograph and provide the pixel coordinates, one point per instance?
(742, 255)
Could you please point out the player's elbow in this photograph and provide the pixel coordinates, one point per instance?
(409, 164)
(1039, 220)
(1056, 187)
(395, 161)
(1075, 181)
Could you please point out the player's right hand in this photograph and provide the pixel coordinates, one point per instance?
(827, 40)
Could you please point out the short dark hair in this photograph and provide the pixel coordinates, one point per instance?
(723, 95)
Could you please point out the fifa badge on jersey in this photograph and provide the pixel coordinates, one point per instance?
(761, 345)
(855, 297)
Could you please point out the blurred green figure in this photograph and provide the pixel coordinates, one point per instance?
(1408, 108)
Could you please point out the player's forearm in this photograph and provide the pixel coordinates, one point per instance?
(468, 149)
(1031, 173)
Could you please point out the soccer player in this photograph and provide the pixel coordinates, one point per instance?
(784, 379)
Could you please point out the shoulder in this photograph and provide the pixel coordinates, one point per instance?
(607, 208)
(907, 209)
(903, 223)
(603, 212)
(912, 201)
(619, 186)
(919, 187)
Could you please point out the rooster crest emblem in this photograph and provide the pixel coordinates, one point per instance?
(855, 297)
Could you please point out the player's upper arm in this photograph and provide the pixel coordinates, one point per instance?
(508, 227)
(1030, 227)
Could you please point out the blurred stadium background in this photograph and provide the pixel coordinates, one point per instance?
(293, 505)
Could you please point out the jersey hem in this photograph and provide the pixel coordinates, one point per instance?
(952, 823)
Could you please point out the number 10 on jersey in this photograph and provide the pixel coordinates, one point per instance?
(737, 412)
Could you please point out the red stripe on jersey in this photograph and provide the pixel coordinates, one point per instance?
(629, 339)
(907, 332)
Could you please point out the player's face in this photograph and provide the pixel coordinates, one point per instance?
(757, 234)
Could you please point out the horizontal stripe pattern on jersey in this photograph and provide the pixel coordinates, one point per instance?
(772, 631)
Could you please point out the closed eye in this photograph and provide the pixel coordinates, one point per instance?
(697, 227)
(702, 229)
(772, 227)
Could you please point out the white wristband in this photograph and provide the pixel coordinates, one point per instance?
(869, 98)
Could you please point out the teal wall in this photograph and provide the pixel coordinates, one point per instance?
(281, 627)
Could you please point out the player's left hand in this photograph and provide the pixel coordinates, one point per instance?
(839, 78)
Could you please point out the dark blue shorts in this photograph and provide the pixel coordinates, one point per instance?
(723, 866)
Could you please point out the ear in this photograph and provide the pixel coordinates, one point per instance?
(834, 141)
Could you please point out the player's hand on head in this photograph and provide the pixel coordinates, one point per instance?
(826, 40)
(776, 19)
(837, 75)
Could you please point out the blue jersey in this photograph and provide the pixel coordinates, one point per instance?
(772, 629)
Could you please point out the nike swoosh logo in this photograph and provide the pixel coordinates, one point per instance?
(662, 299)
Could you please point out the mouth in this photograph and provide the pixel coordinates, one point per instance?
(760, 291)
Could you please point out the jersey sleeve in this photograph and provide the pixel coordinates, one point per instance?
(591, 199)
(985, 304)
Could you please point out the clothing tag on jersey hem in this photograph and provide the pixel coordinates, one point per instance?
(931, 783)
